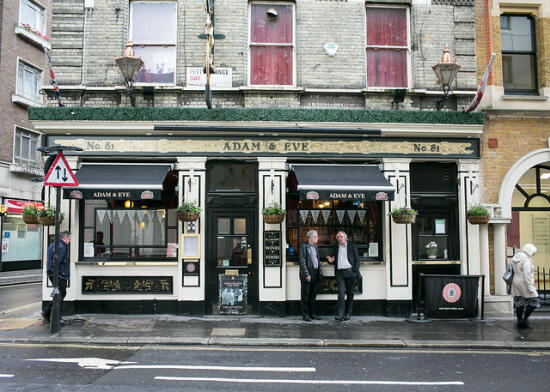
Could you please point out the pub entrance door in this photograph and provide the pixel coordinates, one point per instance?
(231, 252)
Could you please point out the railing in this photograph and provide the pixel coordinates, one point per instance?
(542, 280)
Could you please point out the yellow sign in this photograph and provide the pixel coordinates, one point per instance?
(3, 209)
(232, 272)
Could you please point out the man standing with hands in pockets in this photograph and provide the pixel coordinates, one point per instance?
(310, 275)
(346, 269)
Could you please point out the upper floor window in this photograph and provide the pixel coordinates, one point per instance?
(387, 47)
(28, 81)
(31, 14)
(24, 147)
(519, 57)
(271, 44)
(153, 34)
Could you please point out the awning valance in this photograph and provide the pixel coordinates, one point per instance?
(342, 182)
(119, 181)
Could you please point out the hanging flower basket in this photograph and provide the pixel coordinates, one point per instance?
(188, 216)
(404, 219)
(479, 219)
(30, 219)
(48, 220)
(274, 218)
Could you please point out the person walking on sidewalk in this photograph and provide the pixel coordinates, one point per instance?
(346, 269)
(310, 275)
(526, 297)
(64, 272)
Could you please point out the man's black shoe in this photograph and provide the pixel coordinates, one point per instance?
(314, 317)
(339, 318)
(306, 318)
(45, 317)
(63, 322)
(347, 317)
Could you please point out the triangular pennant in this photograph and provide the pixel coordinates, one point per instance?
(340, 215)
(304, 214)
(160, 215)
(131, 214)
(351, 214)
(101, 215)
(110, 214)
(140, 214)
(120, 215)
(315, 215)
(326, 214)
(361, 214)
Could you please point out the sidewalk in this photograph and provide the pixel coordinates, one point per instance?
(361, 331)
(8, 278)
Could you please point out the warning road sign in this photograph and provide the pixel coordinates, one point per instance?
(60, 174)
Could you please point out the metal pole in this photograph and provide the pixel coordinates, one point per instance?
(56, 305)
(482, 297)
(418, 296)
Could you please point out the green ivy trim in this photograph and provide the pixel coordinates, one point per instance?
(159, 114)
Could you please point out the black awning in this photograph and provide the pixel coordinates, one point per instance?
(342, 182)
(118, 181)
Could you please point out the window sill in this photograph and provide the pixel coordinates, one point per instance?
(417, 262)
(510, 97)
(262, 88)
(127, 263)
(32, 38)
(24, 169)
(24, 101)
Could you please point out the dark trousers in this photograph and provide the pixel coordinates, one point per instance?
(47, 306)
(308, 294)
(346, 289)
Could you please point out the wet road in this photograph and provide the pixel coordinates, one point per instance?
(30, 367)
(18, 299)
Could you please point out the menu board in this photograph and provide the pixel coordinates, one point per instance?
(272, 248)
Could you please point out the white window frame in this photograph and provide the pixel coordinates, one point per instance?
(175, 43)
(39, 10)
(24, 133)
(293, 44)
(408, 48)
(19, 84)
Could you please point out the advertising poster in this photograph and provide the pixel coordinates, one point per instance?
(450, 296)
(233, 293)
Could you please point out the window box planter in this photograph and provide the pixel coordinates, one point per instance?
(30, 219)
(32, 38)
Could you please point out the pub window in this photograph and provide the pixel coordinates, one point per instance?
(361, 220)
(128, 230)
(434, 196)
(231, 177)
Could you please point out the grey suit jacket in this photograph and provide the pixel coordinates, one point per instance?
(306, 264)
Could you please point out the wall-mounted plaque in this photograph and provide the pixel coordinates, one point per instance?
(272, 248)
(190, 246)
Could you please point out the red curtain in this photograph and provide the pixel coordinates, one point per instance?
(271, 65)
(386, 67)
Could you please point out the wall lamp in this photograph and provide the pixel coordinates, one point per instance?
(129, 66)
(446, 72)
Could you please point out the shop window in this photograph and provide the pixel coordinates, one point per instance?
(434, 195)
(271, 44)
(24, 147)
(28, 81)
(20, 242)
(128, 230)
(31, 14)
(387, 47)
(519, 57)
(153, 34)
(360, 220)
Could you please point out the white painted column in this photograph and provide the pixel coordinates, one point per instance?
(468, 194)
(484, 256)
(272, 173)
(397, 237)
(192, 188)
(499, 253)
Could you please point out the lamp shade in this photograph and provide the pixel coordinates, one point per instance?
(129, 65)
(446, 70)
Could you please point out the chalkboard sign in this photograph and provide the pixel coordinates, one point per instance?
(272, 248)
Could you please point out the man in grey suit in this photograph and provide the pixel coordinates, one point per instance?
(310, 275)
(346, 269)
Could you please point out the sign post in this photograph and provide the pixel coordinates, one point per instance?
(59, 175)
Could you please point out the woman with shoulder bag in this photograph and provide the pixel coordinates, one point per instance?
(526, 297)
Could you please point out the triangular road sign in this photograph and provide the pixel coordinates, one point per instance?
(60, 174)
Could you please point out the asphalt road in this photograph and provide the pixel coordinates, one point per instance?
(19, 299)
(38, 367)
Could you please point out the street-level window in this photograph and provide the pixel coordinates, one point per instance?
(153, 34)
(128, 230)
(24, 147)
(271, 44)
(31, 14)
(387, 47)
(519, 56)
(28, 81)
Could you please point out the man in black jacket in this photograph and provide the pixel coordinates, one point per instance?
(346, 269)
(310, 275)
(64, 272)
